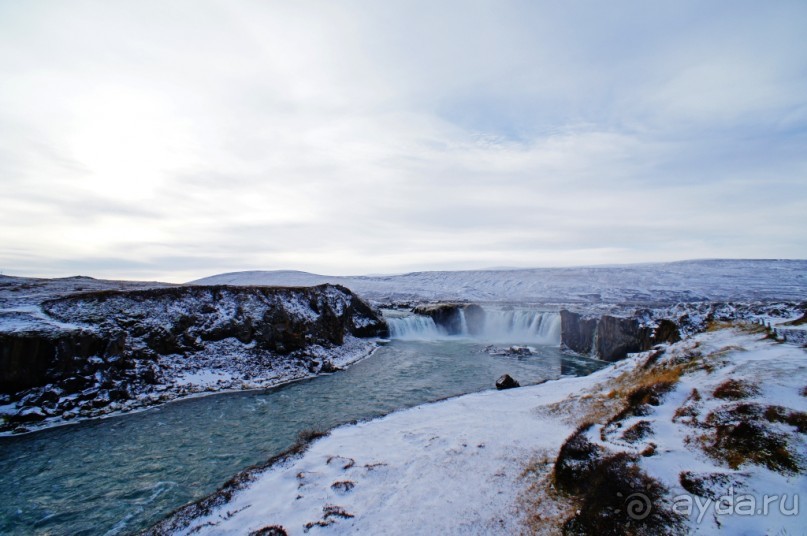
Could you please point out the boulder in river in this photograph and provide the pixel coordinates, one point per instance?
(506, 382)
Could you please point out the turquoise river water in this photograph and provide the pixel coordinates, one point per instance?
(120, 475)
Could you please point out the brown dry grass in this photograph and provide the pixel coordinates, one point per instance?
(576, 410)
(717, 325)
(741, 433)
(546, 509)
(733, 389)
(690, 409)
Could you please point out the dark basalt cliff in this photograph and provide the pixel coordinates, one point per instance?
(110, 346)
(180, 319)
(611, 338)
(30, 359)
(577, 332)
(617, 337)
(449, 317)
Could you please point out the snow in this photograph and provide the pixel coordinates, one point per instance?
(21, 299)
(663, 283)
(219, 377)
(27, 318)
(352, 350)
(30, 290)
(203, 378)
(780, 371)
(457, 466)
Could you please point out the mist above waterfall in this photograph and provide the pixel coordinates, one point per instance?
(500, 325)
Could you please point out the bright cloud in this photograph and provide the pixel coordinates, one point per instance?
(175, 140)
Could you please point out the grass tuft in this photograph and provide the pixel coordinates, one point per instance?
(707, 485)
(620, 498)
(576, 460)
(690, 409)
(735, 390)
(273, 530)
(637, 432)
(740, 435)
(647, 394)
(787, 416)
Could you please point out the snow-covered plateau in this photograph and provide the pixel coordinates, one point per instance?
(647, 285)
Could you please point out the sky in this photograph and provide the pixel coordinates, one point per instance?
(173, 140)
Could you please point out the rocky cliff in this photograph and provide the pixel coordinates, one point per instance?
(95, 352)
(577, 332)
(611, 337)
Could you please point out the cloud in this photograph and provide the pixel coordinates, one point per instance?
(170, 141)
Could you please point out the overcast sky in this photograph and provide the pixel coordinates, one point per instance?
(173, 140)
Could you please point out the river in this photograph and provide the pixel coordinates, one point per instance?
(120, 475)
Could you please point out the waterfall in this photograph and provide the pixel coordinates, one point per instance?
(521, 325)
(463, 323)
(501, 326)
(413, 328)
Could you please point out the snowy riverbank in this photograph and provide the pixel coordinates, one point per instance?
(82, 355)
(482, 463)
(208, 382)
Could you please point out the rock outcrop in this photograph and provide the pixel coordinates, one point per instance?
(121, 349)
(181, 319)
(455, 318)
(32, 359)
(618, 337)
(577, 332)
(611, 338)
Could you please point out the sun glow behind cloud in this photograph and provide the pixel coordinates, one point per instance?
(171, 141)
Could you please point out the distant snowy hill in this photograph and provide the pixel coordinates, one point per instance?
(663, 283)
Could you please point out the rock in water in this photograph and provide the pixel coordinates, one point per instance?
(506, 382)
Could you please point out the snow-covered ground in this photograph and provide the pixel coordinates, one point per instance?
(15, 291)
(220, 367)
(21, 299)
(777, 374)
(663, 283)
(480, 463)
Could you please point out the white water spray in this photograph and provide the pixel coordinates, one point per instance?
(414, 328)
(500, 326)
